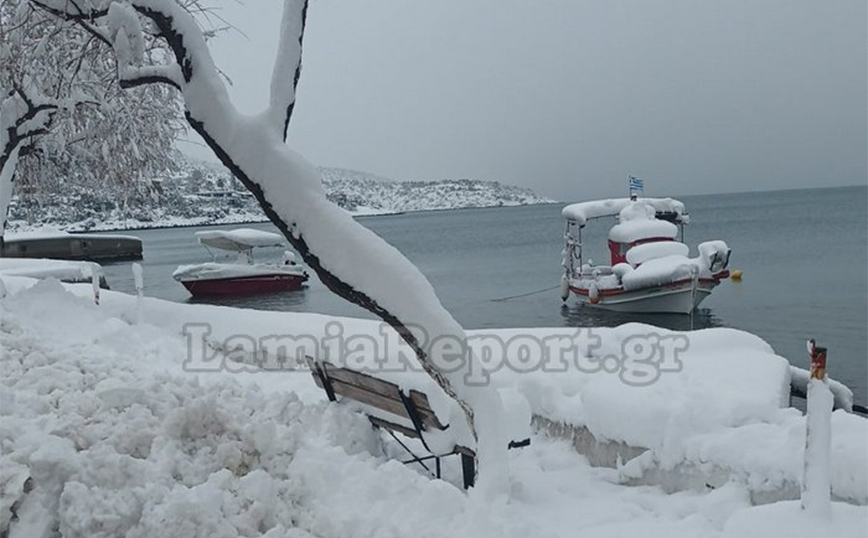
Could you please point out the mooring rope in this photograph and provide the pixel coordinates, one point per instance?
(525, 294)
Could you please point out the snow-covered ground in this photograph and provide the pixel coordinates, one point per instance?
(104, 433)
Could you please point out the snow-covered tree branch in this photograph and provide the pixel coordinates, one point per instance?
(21, 120)
(287, 68)
(347, 257)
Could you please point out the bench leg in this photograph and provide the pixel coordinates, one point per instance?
(468, 467)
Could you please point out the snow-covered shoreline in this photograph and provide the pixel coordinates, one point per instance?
(116, 436)
(19, 228)
(204, 194)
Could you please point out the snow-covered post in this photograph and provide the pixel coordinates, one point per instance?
(348, 258)
(138, 281)
(816, 481)
(94, 273)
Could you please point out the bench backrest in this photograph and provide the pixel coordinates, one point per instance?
(377, 393)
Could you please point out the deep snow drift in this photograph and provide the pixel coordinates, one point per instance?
(103, 433)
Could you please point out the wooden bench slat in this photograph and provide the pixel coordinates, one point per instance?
(379, 401)
(377, 393)
(386, 388)
(369, 398)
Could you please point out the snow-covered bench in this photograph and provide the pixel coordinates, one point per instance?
(394, 410)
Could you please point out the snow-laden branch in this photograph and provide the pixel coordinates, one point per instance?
(22, 117)
(287, 66)
(349, 259)
(73, 10)
(131, 76)
(128, 42)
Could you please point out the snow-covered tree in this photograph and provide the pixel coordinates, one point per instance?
(65, 118)
(348, 258)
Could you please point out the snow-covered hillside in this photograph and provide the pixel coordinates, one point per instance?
(200, 192)
(351, 189)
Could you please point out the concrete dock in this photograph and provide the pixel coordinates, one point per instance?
(65, 246)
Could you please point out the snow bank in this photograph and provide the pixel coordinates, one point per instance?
(103, 431)
(787, 519)
(103, 435)
(65, 270)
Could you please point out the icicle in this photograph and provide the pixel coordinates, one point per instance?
(94, 274)
(139, 284)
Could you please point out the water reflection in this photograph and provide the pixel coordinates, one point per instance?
(277, 301)
(581, 315)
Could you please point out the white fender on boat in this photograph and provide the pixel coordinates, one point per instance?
(565, 288)
(593, 293)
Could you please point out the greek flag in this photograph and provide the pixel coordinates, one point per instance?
(636, 185)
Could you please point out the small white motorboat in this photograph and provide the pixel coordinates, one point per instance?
(243, 277)
(650, 270)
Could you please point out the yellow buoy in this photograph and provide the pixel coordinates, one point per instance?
(735, 275)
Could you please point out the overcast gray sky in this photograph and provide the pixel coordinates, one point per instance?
(569, 97)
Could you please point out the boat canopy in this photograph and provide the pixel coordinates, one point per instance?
(666, 209)
(239, 240)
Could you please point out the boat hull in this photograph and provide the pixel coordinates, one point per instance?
(671, 298)
(248, 285)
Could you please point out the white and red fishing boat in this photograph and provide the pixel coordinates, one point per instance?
(243, 277)
(650, 269)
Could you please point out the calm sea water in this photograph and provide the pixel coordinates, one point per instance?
(803, 254)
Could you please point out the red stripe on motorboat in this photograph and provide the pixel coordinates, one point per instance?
(245, 285)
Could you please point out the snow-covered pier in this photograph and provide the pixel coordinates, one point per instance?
(64, 270)
(65, 246)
